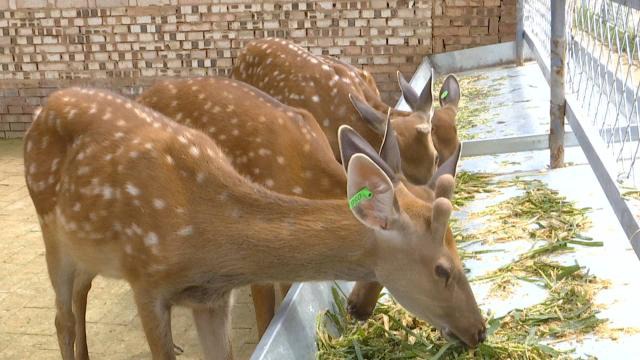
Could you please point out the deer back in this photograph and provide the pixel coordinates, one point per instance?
(298, 78)
(278, 146)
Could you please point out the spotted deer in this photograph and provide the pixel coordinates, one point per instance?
(298, 78)
(363, 298)
(122, 191)
(273, 144)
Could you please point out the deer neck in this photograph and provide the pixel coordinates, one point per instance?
(282, 238)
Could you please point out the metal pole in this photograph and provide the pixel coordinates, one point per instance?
(556, 83)
(520, 33)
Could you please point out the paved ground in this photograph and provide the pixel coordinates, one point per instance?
(26, 298)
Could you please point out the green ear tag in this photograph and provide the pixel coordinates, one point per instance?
(444, 94)
(356, 199)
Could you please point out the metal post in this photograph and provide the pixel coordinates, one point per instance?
(520, 33)
(556, 83)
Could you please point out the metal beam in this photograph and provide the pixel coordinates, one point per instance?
(520, 33)
(601, 162)
(544, 65)
(535, 142)
(557, 67)
(512, 144)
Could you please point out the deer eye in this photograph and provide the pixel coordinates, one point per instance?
(443, 273)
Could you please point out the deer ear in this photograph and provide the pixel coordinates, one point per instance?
(389, 150)
(370, 193)
(409, 95)
(442, 209)
(450, 92)
(418, 103)
(371, 116)
(447, 168)
(351, 143)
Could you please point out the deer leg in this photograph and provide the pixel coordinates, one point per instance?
(155, 314)
(264, 302)
(81, 287)
(363, 299)
(61, 273)
(213, 325)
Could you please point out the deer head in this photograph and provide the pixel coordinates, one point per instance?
(413, 130)
(425, 274)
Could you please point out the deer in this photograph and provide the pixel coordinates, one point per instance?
(364, 295)
(442, 125)
(263, 138)
(334, 94)
(92, 164)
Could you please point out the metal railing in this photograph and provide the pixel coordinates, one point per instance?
(589, 52)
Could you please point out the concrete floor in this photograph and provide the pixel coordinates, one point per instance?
(27, 310)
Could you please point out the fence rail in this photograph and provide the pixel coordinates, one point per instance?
(589, 52)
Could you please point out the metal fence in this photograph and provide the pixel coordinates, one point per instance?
(589, 51)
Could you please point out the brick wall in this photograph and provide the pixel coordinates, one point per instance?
(126, 44)
(459, 24)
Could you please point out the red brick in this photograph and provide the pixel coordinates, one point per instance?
(447, 31)
(441, 21)
(438, 45)
(507, 28)
(15, 109)
(479, 30)
(493, 26)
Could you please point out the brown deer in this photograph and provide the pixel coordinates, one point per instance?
(364, 296)
(122, 191)
(442, 126)
(249, 125)
(298, 78)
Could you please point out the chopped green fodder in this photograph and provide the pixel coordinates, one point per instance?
(469, 184)
(567, 313)
(539, 213)
(631, 194)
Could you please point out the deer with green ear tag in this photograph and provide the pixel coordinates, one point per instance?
(413, 130)
(438, 125)
(364, 296)
(435, 267)
(270, 143)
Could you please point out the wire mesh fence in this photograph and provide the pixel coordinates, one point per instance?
(602, 69)
(537, 24)
(603, 72)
